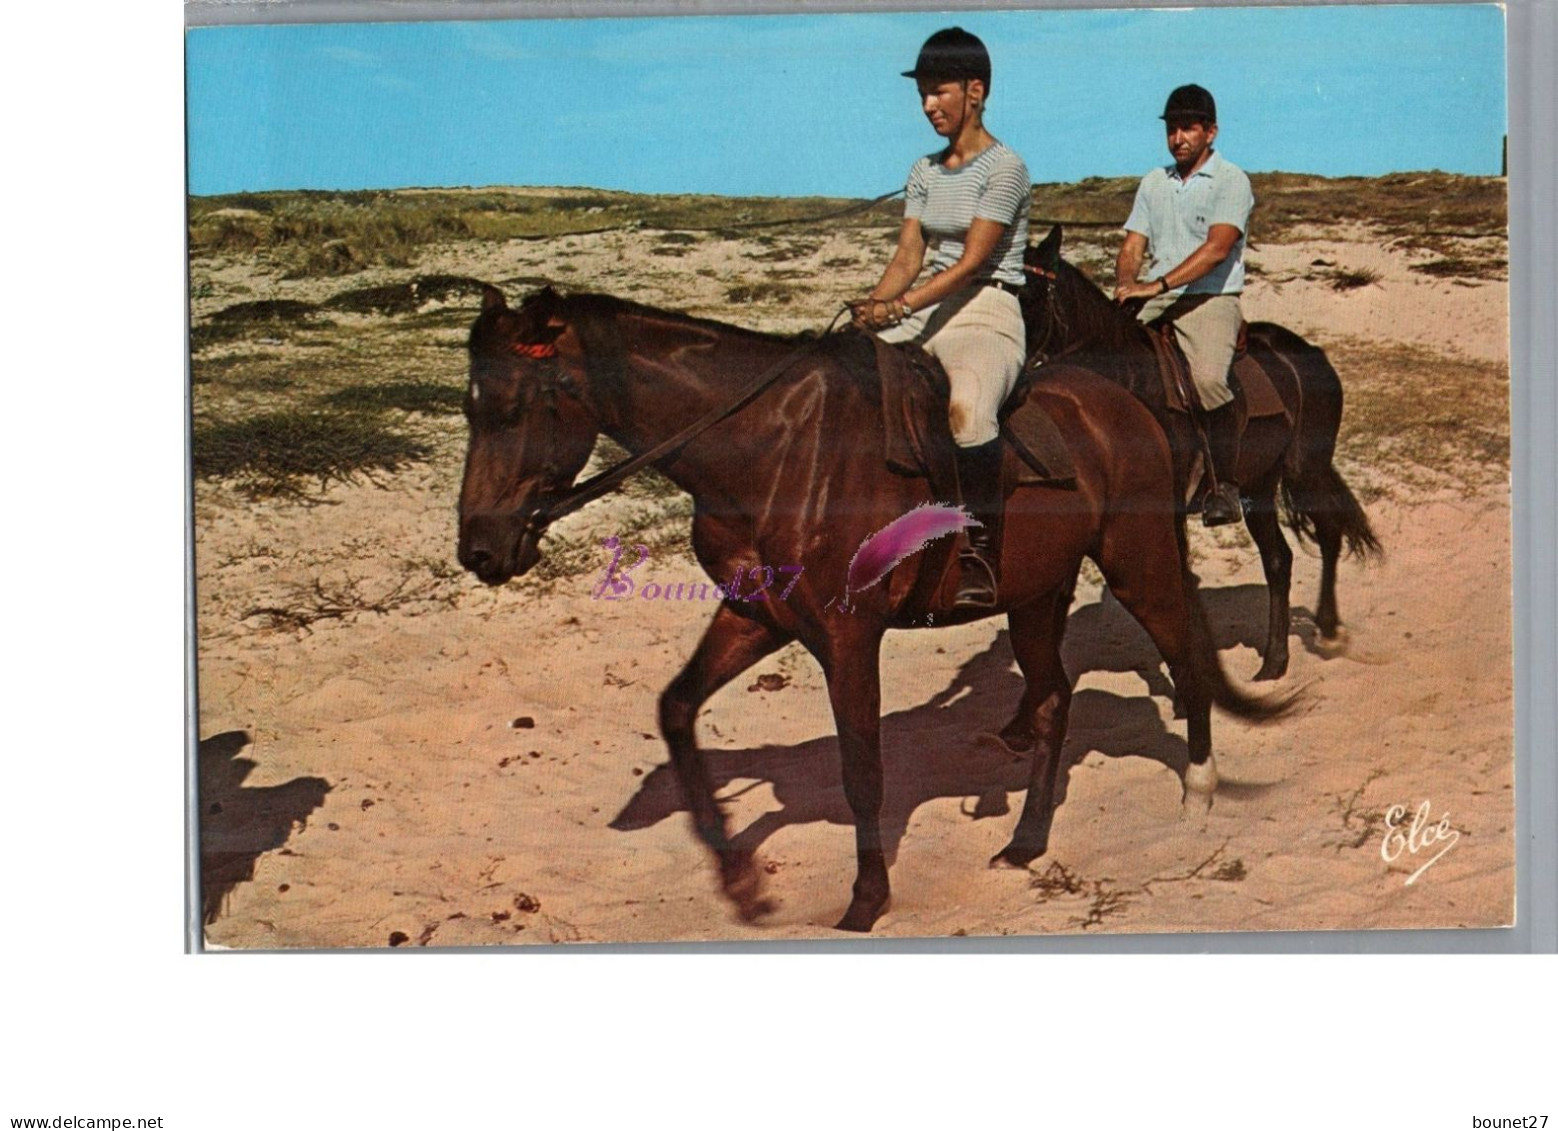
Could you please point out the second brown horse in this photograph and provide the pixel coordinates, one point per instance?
(798, 475)
(1069, 317)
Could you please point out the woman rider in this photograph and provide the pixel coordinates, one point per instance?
(967, 206)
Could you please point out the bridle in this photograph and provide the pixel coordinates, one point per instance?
(534, 349)
(550, 381)
(1054, 321)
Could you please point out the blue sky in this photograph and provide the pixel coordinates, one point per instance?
(814, 104)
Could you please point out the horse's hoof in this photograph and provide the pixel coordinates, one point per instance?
(1195, 804)
(743, 887)
(861, 916)
(1201, 783)
(754, 909)
(1333, 643)
(1014, 858)
(1270, 671)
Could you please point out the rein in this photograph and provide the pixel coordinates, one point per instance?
(1053, 319)
(597, 485)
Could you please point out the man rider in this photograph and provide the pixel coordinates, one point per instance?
(1193, 216)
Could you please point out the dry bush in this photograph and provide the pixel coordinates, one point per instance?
(776, 252)
(761, 291)
(276, 453)
(265, 310)
(1423, 419)
(405, 396)
(1343, 279)
(1413, 206)
(324, 233)
(271, 317)
(347, 597)
(1464, 267)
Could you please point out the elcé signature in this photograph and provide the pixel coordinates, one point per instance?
(1422, 834)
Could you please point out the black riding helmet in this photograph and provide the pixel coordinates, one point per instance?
(1190, 102)
(952, 55)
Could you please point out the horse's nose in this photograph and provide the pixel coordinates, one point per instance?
(479, 548)
(476, 560)
(487, 547)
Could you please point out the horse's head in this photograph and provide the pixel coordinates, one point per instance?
(1042, 264)
(1063, 308)
(530, 433)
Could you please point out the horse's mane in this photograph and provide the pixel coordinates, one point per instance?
(1094, 318)
(592, 305)
(596, 318)
(1098, 333)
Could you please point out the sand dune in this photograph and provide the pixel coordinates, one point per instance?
(477, 767)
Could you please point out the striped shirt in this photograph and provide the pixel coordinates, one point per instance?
(993, 186)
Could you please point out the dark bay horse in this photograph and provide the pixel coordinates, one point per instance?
(795, 474)
(1069, 317)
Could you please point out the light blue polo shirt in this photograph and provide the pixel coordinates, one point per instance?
(1176, 215)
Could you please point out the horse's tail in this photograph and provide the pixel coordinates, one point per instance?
(1323, 497)
(1207, 669)
(1237, 702)
(1319, 505)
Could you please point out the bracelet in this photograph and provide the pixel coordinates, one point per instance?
(1163, 283)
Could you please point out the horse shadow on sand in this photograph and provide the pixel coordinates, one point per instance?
(1238, 616)
(238, 824)
(942, 749)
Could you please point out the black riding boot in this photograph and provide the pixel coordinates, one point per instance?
(1222, 505)
(979, 477)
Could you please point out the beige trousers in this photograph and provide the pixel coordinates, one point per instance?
(1207, 327)
(977, 334)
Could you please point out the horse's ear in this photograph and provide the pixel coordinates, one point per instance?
(540, 316)
(492, 298)
(1048, 255)
(549, 306)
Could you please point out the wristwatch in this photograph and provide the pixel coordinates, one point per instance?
(1163, 287)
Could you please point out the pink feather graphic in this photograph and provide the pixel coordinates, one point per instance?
(905, 535)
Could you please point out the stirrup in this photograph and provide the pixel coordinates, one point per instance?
(1222, 506)
(976, 583)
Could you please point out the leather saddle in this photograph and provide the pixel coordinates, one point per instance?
(1252, 386)
(917, 442)
(915, 395)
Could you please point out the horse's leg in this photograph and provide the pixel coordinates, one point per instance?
(1142, 563)
(1185, 446)
(1276, 558)
(1328, 534)
(1037, 629)
(730, 645)
(1017, 736)
(1182, 538)
(851, 664)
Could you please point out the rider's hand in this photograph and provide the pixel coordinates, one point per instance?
(1124, 292)
(874, 313)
